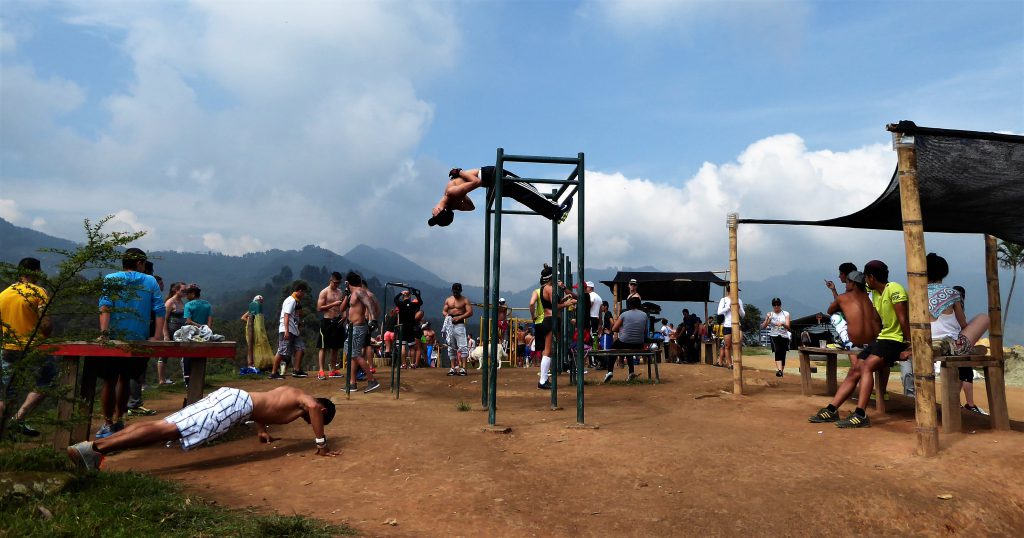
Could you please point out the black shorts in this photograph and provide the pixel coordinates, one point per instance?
(726, 331)
(541, 331)
(594, 324)
(331, 334)
(110, 368)
(966, 374)
(888, 350)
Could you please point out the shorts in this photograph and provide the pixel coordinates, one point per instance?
(726, 331)
(44, 372)
(542, 330)
(457, 340)
(360, 337)
(110, 368)
(331, 335)
(389, 336)
(411, 334)
(888, 350)
(288, 347)
(966, 374)
(594, 324)
(212, 416)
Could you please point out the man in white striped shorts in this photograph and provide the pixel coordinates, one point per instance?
(212, 417)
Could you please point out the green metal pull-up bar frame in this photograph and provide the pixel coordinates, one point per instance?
(492, 272)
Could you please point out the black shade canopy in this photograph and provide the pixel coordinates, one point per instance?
(969, 182)
(658, 286)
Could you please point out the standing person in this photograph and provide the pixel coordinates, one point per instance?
(725, 309)
(136, 384)
(128, 298)
(457, 309)
(631, 328)
(197, 312)
(409, 304)
(594, 310)
(253, 318)
(542, 303)
(777, 323)
(633, 290)
(22, 306)
(952, 334)
(462, 182)
(429, 340)
(890, 301)
(606, 326)
(502, 323)
(362, 311)
(331, 338)
(289, 339)
(175, 319)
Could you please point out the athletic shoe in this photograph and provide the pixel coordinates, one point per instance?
(275, 376)
(360, 376)
(854, 421)
(299, 373)
(25, 429)
(544, 386)
(109, 429)
(374, 385)
(321, 376)
(608, 377)
(85, 457)
(632, 377)
(824, 415)
(352, 387)
(452, 372)
(335, 373)
(462, 372)
(563, 210)
(140, 412)
(971, 408)
(778, 373)
(167, 382)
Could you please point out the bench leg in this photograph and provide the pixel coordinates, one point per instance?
(805, 374)
(657, 375)
(86, 402)
(951, 420)
(881, 382)
(831, 366)
(197, 379)
(995, 388)
(66, 404)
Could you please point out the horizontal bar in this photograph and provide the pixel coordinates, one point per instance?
(540, 181)
(540, 160)
(515, 212)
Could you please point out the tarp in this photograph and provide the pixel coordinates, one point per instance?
(969, 182)
(659, 286)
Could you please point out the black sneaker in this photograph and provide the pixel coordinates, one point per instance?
(854, 421)
(374, 385)
(452, 372)
(563, 210)
(778, 373)
(824, 415)
(462, 371)
(544, 386)
(971, 408)
(275, 375)
(299, 373)
(29, 431)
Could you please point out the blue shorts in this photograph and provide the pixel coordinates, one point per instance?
(44, 372)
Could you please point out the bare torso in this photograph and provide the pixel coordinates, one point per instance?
(280, 406)
(862, 320)
(358, 304)
(330, 296)
(456, 306)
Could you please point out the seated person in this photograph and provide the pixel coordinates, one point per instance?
(212, 417)
(462, 182)
(631, 328)
(890, 305)
(837, 318)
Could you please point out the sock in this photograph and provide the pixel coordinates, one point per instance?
(839, 322)
(860, 412)
(831, 407)
(545, 365)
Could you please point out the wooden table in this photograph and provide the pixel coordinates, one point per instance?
(831, 366)
(74, 354)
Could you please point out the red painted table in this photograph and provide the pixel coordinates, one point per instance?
(73, 354)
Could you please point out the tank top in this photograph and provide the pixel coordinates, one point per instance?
(945, 325)
(538, 307)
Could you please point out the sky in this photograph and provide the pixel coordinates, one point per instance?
(234, 126)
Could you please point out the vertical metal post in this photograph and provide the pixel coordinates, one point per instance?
(396, 380)
(567, 326)
(554, 308)
(492, 343)
(484, 385)
(348, 364)
(581, 317)
(560, 347)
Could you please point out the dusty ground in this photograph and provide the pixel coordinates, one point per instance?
(679, 458)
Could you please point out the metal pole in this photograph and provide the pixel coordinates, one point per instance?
(567, 326)
(492, 310)
(348, 364)
(554, 310)
(484, 385)
(581, 316)
(396, 381)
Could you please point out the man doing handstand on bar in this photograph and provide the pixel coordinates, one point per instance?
(212, 417)
(462, 182)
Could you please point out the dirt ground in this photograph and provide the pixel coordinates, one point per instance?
(681, 458)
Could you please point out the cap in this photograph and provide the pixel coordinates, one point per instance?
(457, 286)
(257, 298)
(874, 264)
(501, 301)
(443, 218)
(856, 276)
(590, 284)
(632, 281)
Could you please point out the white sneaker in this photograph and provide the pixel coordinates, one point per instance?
(608, 377)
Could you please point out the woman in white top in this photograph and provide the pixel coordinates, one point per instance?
(777, 323)
(725, 309)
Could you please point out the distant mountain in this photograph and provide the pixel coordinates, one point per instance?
(380, 258)
(17, 243)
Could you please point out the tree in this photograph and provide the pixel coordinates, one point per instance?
(752, 319)
(1011, 256)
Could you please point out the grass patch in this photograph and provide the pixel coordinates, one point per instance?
(132, 504)
(756, 350)
(463, 406)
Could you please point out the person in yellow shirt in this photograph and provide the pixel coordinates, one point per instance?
(21, 308)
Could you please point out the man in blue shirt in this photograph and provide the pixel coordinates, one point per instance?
(129, 296)
(196, 312)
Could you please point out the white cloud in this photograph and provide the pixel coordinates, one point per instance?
(9, 210)
(233, 247)
(127, 221)
(39, 224)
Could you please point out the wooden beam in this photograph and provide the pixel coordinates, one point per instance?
(995, 383)
(734, 297)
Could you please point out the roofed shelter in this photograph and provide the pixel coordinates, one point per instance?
(945, 181)
(659, 286)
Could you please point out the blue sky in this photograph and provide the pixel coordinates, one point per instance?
(237, 126)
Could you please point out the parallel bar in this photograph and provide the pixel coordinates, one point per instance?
(485, 387)
(554, 315)
(492, 343)
(539, 160)
(397, 377)
(517, 212)
(581, 317)
(542, 181)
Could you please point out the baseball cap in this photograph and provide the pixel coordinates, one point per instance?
(855, 276)
(632, 281)
(590, 284)
(443, 218)
(457, 286)
(501, 301)
(873, 265)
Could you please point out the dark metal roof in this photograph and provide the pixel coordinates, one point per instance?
(659, 286)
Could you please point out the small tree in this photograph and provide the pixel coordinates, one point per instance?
(71, 303)
(1011, 256)
(752, 321)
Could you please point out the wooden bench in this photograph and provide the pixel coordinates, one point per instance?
(709, 350)
(651, 358)
(831, 367)
(74, 354)
(995, 388)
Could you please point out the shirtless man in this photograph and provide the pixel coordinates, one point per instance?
(212, 417)
(462, 182)
(862, 319)
(362, 317)
(429, 340)
(331, 335)
(837, 318)
(457, 309)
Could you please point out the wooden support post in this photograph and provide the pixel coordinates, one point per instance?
(951, 420)
(995, 384)
(831, 381)
(616, 308)
(917, 280)
(66, 405)
(805, 373)
(197, 378)
(737, 320)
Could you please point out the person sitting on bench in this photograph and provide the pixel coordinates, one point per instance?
(631, 328)
(462, 182)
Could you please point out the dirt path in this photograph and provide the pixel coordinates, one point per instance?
(680, 458)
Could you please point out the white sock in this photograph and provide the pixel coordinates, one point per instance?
(545, 365)
(839, 322)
